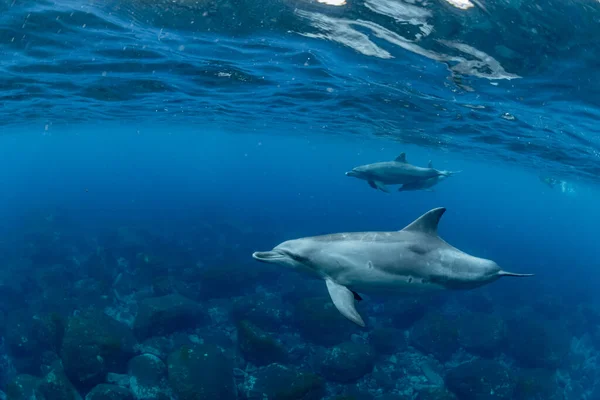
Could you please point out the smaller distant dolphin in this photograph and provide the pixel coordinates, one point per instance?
(412, 260)
(395, 172)
(426, 184)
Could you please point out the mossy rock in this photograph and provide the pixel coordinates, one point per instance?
(257, 346)
(435, 334)
(56, 386)
(347, 362)
(321, 323)
(105, 391)
(148, 377)
(481, 333)
(482, 380)
(201, 372)
(158, 316)
(93, 345)
(538, 343)
(278, 382)
(23, 387)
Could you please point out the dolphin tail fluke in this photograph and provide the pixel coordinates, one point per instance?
(504, 273)
(343, 299)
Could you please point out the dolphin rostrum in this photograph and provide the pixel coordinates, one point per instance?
(395, 172)
(412, 260)
(426, 184)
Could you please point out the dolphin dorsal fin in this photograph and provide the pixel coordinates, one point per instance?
(430, 164)
(401, 158)
(427, 223)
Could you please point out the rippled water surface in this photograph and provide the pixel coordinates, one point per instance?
(513, 79)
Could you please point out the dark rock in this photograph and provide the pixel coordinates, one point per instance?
(105, 391)
(406, 311)
(320, 322)
(481, 334)
(481, 380)
(347, 362)
(435, 394)
(159, 316)
(387, 340)
(435, 334)
(257, 346)
(277, 382)
(392, 396)
(30, 337)
(95, 344)
(91, 293)
(157, 345)
(23, 387)
(538, 343)
(148, 377)
(537, 384)
(56, 386)
(201, 372)
(267, 312)
(386, 376)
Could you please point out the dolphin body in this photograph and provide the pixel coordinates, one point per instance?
(426, 184)
(412, 260)
(395, 172)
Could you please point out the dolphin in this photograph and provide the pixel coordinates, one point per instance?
(426, 184)
(412, 260)
(396, 172)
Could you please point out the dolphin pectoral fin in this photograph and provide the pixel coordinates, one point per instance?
(343, 300)
(381, 187)
(373, 185)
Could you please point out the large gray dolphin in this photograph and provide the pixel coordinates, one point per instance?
(426, 184)
(395, 172)
(414, 259)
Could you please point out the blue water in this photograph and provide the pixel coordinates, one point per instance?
(216, 129)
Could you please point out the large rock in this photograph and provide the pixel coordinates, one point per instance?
(105, 391)
(406, 311)
(148, 377)
(538, 343)
(481, 333)
(277, 382)
(266, 312)
(481, 380)
(257, 346)
(435, 334)
(23, 387)
(163, 315)
(320, 322)
(30, 337)
(347, 362)
(201, 372)
(387, 340)
(56, 386)
(435, 394)
(538, 384)
(95, 344)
